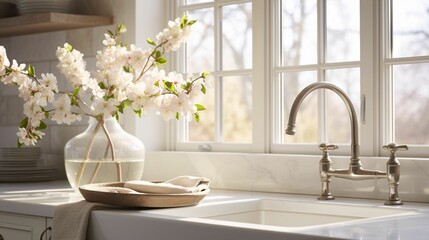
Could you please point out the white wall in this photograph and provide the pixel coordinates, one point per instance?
(39, 50)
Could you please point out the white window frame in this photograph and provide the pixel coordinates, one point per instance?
(258, 73)
(377, 111)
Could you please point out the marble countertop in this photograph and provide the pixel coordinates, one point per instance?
(40, 199)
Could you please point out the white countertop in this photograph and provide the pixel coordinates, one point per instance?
(40, 199)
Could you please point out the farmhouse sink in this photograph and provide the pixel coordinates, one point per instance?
(260, 213)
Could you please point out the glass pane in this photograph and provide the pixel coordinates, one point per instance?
(307, 118)
(338, 120)
(200, 45)
(411, 103)
(410, 28)
(342, 36)
(204, 131)
(299, 32)
(237, 109)
(237, 36)
(197, 1)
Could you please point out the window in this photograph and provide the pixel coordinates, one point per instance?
(222, 43)
(318, 41)
(262, 53)
(406, 70)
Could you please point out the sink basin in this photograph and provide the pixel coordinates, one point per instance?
(282, 213)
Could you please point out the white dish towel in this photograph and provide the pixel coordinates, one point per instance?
(181, 184)
(71, 220)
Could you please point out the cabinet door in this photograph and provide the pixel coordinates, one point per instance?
(21, 227)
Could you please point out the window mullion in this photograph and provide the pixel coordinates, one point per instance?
(321, 59)
(219, 81)
(369, 83)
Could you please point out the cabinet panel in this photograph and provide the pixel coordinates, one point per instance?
(21, 227)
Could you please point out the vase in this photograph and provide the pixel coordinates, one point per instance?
(104, 152)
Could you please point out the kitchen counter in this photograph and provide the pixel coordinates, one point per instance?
(40, 199)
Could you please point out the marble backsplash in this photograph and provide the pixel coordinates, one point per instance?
(280, 173)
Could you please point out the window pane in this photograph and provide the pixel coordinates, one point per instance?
(197, 1)
(204, 131)
(237, 109)
(307, 118)
(411, 103)
(410, 28)
(299, 32)
(237, 36)
(342, 36)
(338, 120)
(200, 46)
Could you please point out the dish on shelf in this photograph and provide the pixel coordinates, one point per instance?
(90, 193)
(27, 174)
(7, 9)
(43, 6)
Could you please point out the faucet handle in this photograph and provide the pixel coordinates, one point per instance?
(393, 147)
(327, 147)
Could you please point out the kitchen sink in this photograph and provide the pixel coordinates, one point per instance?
(282, 213)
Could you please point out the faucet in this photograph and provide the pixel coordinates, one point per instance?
(355, 170)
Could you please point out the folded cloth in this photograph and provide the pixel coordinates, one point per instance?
(181, 184)
(71, 220)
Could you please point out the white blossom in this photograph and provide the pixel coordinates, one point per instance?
(4, 61)
(105, 107)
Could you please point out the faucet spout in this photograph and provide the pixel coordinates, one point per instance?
(354, 159)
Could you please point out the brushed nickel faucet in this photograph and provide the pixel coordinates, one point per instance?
(355, 170)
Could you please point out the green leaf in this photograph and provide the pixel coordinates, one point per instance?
(102, 86)
(161, 60)
(31, 70)
(126, 69)
(74, 101)
(203, 88)
(121, 28)
(158, 54)
(8, 71)
(110, 33)
(124, 104)
(138, 112)
(200, 107)
(192, 22)
(24, 123)
(42, 126)
(169, 86)
(183, 21)
(76, 91)
(151, 41)
(197, 117)
(117, 116)
(204, 74)
(186, 86)
(177, 116)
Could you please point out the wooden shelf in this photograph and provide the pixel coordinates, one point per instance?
(47, 22)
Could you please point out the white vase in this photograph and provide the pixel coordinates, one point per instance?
(104, 152)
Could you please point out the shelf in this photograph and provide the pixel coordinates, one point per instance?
(47, 22)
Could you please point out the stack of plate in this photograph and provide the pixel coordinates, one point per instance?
(43, 6)
(22, 165)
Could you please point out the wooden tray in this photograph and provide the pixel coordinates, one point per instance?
(150, 200)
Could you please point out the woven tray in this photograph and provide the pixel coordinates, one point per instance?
(90, 193)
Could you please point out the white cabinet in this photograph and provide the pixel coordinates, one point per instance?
(21, 227)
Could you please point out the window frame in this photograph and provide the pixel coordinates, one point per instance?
(258, 74)
(377, 111)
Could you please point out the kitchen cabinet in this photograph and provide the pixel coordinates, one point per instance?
(23, 227)
(46, 22)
